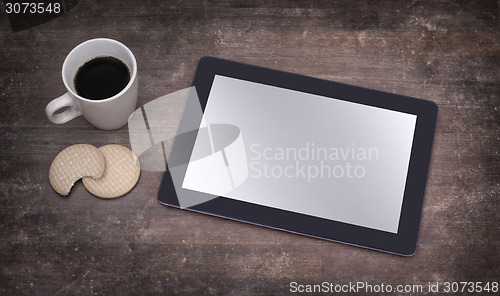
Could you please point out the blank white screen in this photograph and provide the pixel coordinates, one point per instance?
(365, 149)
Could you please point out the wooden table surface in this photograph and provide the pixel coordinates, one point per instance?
(444, 51)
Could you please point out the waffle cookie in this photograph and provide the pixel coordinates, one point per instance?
(121, 173)
(73, 163)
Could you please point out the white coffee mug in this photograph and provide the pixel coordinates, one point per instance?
(107, 114)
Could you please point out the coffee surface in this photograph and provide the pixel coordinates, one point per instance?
(101, 78)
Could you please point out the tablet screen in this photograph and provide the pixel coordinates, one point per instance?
(307, 153)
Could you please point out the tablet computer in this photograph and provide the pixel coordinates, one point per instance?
(304, 155)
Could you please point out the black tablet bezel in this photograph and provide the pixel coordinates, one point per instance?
(402, 243)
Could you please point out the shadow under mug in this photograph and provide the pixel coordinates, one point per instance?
(106, 114)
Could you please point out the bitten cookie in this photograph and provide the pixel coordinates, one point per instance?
(121, 173)
(73, 163)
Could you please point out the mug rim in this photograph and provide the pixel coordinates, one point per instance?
(125, 89)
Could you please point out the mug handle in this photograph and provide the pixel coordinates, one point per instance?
(65, 101)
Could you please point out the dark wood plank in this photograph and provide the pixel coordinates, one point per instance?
(447, 52)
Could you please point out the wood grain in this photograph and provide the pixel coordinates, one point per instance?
(444, 51)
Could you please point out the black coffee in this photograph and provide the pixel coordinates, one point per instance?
(101, 78)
